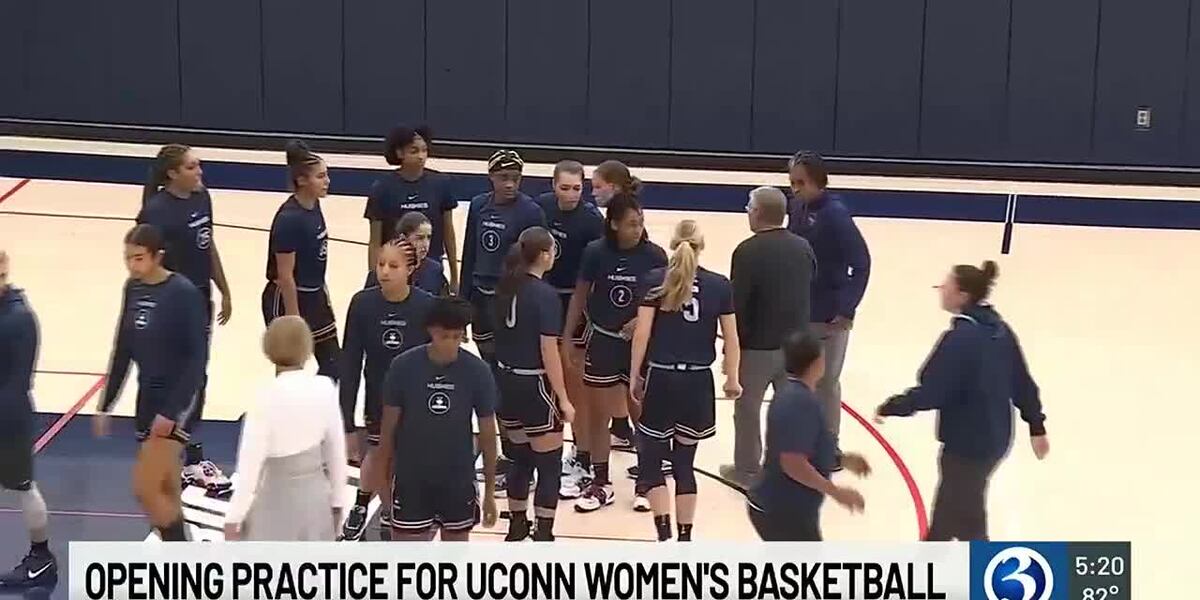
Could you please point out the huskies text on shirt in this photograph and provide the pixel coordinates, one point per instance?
(615, 275)
(573, 230)
(379, 331)
(493, 227)
(392, 196)
(162, 329)
(186, 225)
(437, 404)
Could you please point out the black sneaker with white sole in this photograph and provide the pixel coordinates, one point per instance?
(355, 525)
(37, 570)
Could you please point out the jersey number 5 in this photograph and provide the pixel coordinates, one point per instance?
(691, 310)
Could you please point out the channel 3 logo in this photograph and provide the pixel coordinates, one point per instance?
(1018, 573)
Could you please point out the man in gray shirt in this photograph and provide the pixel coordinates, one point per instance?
(772, 273)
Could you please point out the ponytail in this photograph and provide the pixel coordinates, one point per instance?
(634, 186)
(521, 255)
(300, 160)
(686, 245)
(169, 158)
(976, 282)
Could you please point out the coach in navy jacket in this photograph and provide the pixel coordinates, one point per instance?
(843, 268)
(973, 378)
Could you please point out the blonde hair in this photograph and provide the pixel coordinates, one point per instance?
(288, 342)
(686, 244)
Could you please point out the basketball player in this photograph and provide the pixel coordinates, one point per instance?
(412, 187)
(785, 502)
(381, 324)
(161, 328)
(299, 243)
(612, 178)
(431, 393)
(415, 229)
(609, 179)
(675, 339)
(574, 223)
(292, 453)
(18, 357)
(531, 382)
(973, 378)
(175, 202)
(608, 284)
(493, 224)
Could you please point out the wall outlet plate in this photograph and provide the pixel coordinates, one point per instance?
(1142, 121)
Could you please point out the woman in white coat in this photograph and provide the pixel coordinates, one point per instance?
(292, 458)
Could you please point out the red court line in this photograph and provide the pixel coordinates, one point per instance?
(67, 416)
(913, 490)
(15, 189)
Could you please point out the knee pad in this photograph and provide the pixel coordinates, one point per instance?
(515, 451)
(651, 454)
(520, 473)
(682, 461)
(549, 477)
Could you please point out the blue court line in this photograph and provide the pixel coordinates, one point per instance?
(983, 207)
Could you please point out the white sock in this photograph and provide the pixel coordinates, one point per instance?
(33, 507)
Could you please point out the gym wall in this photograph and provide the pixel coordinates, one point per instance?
(998, 80)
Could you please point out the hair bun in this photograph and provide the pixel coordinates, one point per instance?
(990, 270)
(297, 152)
(635, 185)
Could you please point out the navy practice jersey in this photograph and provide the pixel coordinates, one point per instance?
(491, 229)
(573, 230)
(162, 329)
(379, 331)
(435, 438)
(614, 275)
(688, 335)
(186, 225)
(298, 230)
(521, 321)
(795, 424)
(430, 277)
(392, 196)
(18, 354)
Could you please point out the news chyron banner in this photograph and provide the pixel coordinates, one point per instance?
(591, 571)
